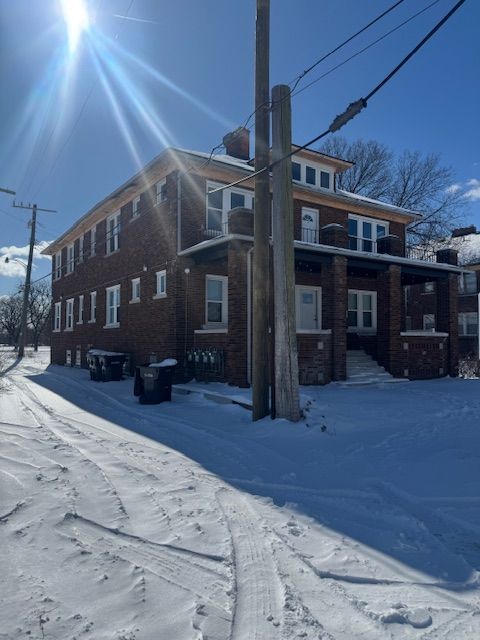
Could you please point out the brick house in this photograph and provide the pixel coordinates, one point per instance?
(161, 268)
(421, 301)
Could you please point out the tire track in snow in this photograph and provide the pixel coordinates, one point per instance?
(258, 589)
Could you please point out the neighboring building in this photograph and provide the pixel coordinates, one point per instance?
(162, 267)
(421, 302)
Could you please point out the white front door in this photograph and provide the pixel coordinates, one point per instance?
(309, 225)
(308, 308)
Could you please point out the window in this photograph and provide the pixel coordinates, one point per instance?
(308, 309)
(216, 296)
(80, 309)
(58, 266)
(324, 180)
(113, 232)
(69, 315)
(135, 290)
(161, 284)
(70, 258)
(136, 207)
(363, 233)
(310, 175)
(362, 310)
(429, 287)
(468, 324)
(57, 316)
(296, 171)
(429, 322)
(161, 191)
(408, 323)
(93, 241)
(93, 306)
(221, 202)
(80, 248)
(113, 306)
(467, 283)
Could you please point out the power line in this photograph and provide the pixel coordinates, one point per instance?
(327, 55)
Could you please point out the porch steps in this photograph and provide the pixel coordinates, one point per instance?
(362, 370)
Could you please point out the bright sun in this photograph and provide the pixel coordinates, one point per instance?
(76, 18)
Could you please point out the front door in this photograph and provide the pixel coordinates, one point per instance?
(309, 225)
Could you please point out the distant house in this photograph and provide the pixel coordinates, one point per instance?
(163, 267)
(421, 301)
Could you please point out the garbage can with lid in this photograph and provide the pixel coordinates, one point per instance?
(153, 382)
(94, 366)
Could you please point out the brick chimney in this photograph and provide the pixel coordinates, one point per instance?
(237, 143)
(464, 231)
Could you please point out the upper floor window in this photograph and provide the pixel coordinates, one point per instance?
(69, 315)
(80, 248)
(467, 283)
(113, 232)
(363, 233)
(80, 309)
(57, 273)
(113, 306)
(161, 191)
(135, 290)
(468, 324)
(216, 300)
(93, 240)
(70, 258)
(161, 278)
(221, 202)
(136, 207)
(93, 306)
(312, 174)
(57, 316)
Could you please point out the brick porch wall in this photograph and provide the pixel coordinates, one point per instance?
(423, 357)
(314, 358)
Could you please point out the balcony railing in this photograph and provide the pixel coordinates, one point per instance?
(419, 253)
(215, 233)
(310, 235)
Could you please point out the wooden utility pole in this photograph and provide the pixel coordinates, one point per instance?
(286, 359)
(26, 289)
(260, 316)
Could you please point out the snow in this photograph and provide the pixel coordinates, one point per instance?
(101, 352)
(184, 520)
(168, 362)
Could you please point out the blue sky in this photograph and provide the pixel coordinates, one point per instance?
(181, 73)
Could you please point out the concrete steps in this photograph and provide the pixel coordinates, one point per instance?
(363, 370)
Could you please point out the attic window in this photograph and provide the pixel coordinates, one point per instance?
(296, 171)
(310, 175)
(324, 180)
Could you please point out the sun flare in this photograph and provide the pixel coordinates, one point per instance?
(76, 18)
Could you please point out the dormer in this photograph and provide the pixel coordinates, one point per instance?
(317, 170)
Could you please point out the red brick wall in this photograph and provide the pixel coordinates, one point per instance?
(314, 358)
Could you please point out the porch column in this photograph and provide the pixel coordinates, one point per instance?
(447, 317)
(389, 320)
(338, 297)
(236, 365)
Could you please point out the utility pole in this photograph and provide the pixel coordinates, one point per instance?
(26, 289)
(286, 359)
(261, 245)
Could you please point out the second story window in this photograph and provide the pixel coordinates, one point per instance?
(57, 317)
(136, 207)
(363, 233)
(467, 283)
(135, 290)
(161, 191)
(221, 202)
(70, 258)
(113, 232)
(69, 315)
(113, 306)
(161, 278)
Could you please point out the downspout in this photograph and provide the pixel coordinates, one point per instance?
(179, 212)
(249, 315)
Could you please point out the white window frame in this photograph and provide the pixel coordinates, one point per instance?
(463, 324)
(160, 284)
(136, 207)
(57, 274)
(69, 314)
(226, 203)
(93, 241)
(429, 286)
(224, 302)
(70, 258)
(359, 328)
(93, 306)
(113, 233)
(112, 319)
(57, 317)
(161, 191)
(80, 309)
(464, 282)
(319, 169)
(299, 290)
(428, 318)
(360, 238)
(135, 290)
(81, 241)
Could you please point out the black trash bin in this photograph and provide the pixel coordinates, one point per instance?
(94, 366)
(111, 365)
(153, 382)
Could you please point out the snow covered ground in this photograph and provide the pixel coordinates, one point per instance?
(185, 521)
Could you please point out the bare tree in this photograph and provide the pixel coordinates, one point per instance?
(412, 181)
(39, 308)
(10, 317)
